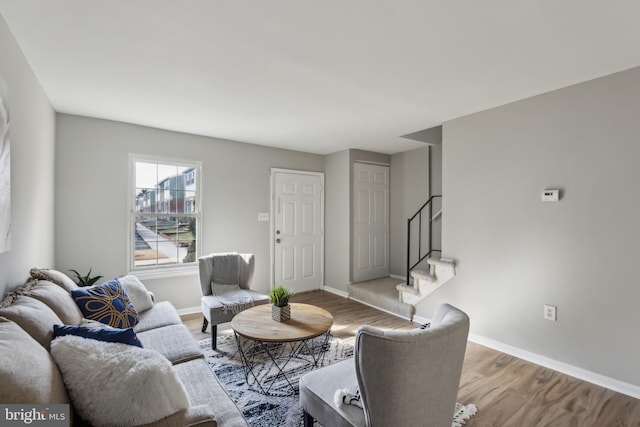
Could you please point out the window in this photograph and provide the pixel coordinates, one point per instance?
(190, 177)
(166, 214)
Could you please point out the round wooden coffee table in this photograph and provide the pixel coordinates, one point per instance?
(274, 354)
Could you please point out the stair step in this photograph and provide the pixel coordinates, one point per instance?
(381, 293)
(426, 282)
(444, 262)
(422, 275)
(408, 289)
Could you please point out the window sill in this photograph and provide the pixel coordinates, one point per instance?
(162, 273)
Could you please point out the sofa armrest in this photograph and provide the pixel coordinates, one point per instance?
(201, 416)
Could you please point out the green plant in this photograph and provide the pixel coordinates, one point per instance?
(280, 296)
(86, 280)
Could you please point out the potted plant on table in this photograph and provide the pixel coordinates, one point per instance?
(280, 310)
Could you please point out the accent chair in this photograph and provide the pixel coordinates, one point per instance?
(405, 378)
(225, 279)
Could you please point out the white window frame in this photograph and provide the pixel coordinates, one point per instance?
(172, 270)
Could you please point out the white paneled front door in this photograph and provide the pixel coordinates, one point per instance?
(370, 221)
(298, 224)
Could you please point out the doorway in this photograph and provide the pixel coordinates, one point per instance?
(297, 232)
(370, 222)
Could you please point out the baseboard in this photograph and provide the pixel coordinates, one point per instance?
(382, 309)
(396, 276)
(335, 291)
(582, 374)
(189, 310)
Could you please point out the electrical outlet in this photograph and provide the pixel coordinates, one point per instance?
(550, 195)
(550, 312)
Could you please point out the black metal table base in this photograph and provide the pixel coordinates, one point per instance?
(273, 368)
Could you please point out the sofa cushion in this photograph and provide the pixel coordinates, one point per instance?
(173, 341)
(34, 316)
(58, 300)
(108, 303)
(161, 314)
(114, 384)
(203, 388)
(54, 276)
(138, 294)
(27, 371)
(124, 336)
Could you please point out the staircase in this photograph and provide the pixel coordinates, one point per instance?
(426, 282)
(440, 270)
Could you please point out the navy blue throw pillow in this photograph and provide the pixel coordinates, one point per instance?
(107, 303)
(124, 336)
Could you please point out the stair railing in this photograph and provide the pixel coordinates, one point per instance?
(428, 205)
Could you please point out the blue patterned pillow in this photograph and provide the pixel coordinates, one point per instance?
(125, 336)
(107, 303)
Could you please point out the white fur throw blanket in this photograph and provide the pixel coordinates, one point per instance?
(345, 397)
(113, 384)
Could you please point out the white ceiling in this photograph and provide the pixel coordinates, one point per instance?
(316, 76)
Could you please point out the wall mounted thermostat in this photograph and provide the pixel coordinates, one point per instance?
(550, 195)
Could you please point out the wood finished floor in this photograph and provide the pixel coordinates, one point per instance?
(508, 391)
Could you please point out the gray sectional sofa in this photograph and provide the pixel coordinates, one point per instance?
(29, 374)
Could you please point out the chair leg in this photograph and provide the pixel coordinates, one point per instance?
(214, 336)
(205, 323)
(308, 419)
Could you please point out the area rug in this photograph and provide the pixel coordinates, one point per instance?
(278, 411)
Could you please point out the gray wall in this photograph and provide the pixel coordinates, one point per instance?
(436, 188)
(368, 156)
(409, 190)
(92, 178)
(337, 221)
(436, 168)
(32, 132)
(516, 253)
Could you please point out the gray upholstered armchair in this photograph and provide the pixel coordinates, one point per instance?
(406, 378)
(225, 280)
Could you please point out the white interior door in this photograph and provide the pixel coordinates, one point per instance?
(298, 213)
(370, 221)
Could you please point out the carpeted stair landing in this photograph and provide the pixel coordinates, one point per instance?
(381, 293)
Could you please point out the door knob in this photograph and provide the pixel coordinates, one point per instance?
(277, 240)
(277, 231)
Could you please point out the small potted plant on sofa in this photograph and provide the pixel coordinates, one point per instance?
(280, 310)
(86, 280)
